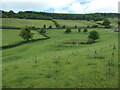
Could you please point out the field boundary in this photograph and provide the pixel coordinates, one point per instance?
(24, 42)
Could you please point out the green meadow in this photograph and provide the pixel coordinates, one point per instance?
(11, 36)
(53, 64)
(78, 23)
(20, 23)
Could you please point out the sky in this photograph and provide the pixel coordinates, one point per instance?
(61, 6)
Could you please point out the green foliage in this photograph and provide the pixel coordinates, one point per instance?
(50, 27)
(49, 16)
(68, 30)
(42, 31)
(98, 19)
(94, 26)
(79, 30)
(75, 26)
(63, 26)
(85, 30)
(93, 35)
(88, 26)
(26, 33)
(44, 26)
(106, 23)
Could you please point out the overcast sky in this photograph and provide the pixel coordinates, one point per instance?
(61, 6)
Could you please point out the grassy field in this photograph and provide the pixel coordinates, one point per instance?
(53, 64)
(20, 23)
(78, 23)
(11, 36)
(85, 23)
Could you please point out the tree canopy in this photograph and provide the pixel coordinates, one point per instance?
(49, 16)
(94, 35)
(26, 33)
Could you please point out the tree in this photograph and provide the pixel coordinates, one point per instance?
(88, 26)
(85, 30)
(42, 31)
(26, 33)
(50, 27)
(11, 13)
(94, 26)
(93, 35)
(68, 30)
(106, 23)
(44, 26)
(75, 26)
(79, 30)
(63, 26)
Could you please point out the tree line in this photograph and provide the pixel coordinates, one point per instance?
(49, 16)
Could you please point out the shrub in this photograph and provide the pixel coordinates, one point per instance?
(42, 31)
(63, 26)
(50, 26)
(85, 30)
(26, 33)
(44, 26)
(106, 23)
(75, 26)
(94, 26)
(88, 26)
(79, 30)
(68, 30)
(118, 23)
(94, 35)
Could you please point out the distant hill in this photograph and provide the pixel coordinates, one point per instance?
(48, 16)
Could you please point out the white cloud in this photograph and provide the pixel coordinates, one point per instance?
(102, 6)
(60, 11)
(76, 8)
(62, 6)
(36, 4)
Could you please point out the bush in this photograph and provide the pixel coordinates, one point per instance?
(85, 30)
(94, 35)
(68, 30)
(26, 33)
(63, 26)
(88, 26)
(44, 26)
(106, 23)
(94, 26)
(42, 31)
(50, 26)
(79, 30)
(75, 26)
